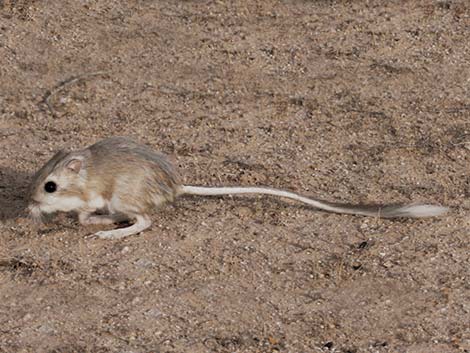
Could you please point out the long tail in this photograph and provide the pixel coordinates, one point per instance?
(388, 211)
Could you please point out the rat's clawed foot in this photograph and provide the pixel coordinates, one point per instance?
(107, 234)
(142, 223)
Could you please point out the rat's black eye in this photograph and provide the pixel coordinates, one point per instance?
(50, 186)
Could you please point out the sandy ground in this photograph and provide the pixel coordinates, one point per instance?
(354, 101)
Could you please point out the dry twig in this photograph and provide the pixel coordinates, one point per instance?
(62, 85)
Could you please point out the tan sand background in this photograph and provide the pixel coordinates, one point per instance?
(354, 101)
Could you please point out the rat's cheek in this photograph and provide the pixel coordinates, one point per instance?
(64, 204)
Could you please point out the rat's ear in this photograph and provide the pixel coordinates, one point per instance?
(74, 165)
(75, 162)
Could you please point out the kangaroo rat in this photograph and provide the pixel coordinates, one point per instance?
(126, 180)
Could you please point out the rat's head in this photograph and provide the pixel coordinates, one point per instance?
(58, 185)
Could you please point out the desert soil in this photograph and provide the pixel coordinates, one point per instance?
(353, 101)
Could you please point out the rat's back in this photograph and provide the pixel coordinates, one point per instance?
(131, 175)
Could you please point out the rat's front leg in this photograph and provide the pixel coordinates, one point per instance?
(86, 218)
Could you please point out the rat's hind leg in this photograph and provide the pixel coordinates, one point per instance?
(142, 222)
(89, 219)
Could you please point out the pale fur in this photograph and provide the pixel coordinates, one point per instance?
(116, 175)
(127, 180)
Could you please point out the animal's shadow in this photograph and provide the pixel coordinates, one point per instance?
(13, 187)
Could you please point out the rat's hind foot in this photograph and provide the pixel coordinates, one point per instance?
(141, 223)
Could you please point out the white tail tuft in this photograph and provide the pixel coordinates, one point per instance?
(419, 211)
